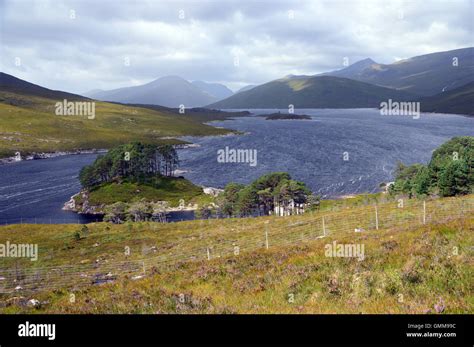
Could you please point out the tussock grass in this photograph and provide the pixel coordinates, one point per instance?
(33, 126)
(409, 267)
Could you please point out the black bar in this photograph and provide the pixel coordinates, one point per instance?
(227, 329)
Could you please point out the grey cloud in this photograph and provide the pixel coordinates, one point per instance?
(89, 51)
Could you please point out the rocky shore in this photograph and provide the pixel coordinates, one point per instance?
(79, 203)
(47, 155)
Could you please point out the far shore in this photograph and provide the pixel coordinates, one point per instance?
(48, 155)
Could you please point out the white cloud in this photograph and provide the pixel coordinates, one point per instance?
(88, 51)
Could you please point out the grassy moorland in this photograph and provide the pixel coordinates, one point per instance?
(224, 266)
(29, 124)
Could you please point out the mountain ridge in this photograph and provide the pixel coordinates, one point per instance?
(312, 92)
(169, 91)
(217, 90)
(424, 75)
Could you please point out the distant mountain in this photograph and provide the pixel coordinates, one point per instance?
(28, 116)
(457, 101)
(312, 92)
(352, 71)
(92, 92)
(424, 75)
(217, 90)
(244, 89)
(11, 84)
(169, 91)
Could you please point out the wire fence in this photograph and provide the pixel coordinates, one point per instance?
(40, 220)
(170, 216)
(259, 234)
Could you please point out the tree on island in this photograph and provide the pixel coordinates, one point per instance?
(135, 161)
(274, 190)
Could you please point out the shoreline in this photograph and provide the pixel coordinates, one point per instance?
(70, 205)
(49, 155)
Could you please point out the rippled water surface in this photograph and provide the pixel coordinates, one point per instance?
(36, 190)
(310, 150)
(313, 150)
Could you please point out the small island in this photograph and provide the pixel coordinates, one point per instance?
(279, 116)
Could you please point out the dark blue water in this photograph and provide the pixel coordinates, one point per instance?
(313, 150)
(36, 190)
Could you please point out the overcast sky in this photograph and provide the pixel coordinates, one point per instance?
(82, 45)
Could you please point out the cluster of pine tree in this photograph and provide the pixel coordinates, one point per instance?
(449, 172)
(137, 211)
(133, 160)
(261, 196)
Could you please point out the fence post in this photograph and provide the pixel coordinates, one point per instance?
(376, 218)
(424, 212)
(144, 270)
(208, 254)
(16, 270)
(324, 227)
(266, 234)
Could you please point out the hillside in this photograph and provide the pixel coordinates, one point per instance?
(253, 265)
(29, 123)
(423, 75)
(352, 71)
(244, 89)
(217, 90)
(457, 101)
(169, 91)
(312, 92)
(11, 84)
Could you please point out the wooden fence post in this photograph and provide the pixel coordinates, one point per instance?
(266, 234)
(376, 218)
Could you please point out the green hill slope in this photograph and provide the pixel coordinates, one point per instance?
(11, 84)
(423, 75)
(312, 92)
(457, 101)
(28, 122)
